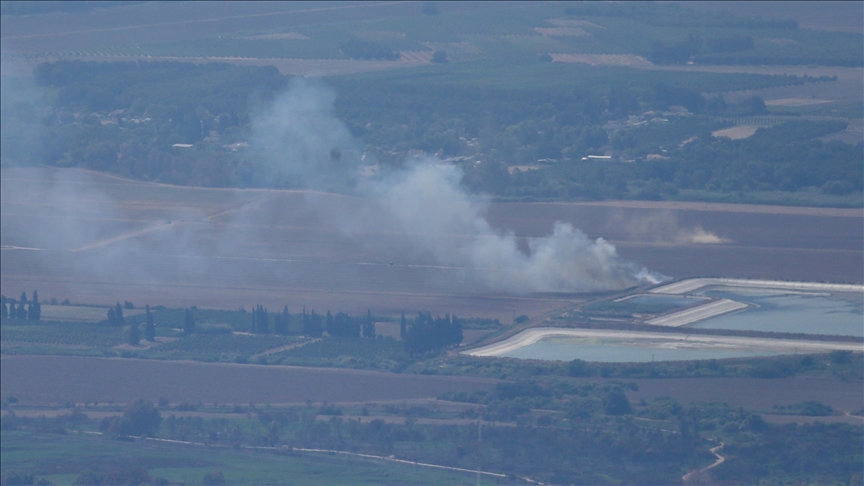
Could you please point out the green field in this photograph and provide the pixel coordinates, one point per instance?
(61, 458)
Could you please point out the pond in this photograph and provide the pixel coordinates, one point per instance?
(785, 311)
(642, 304)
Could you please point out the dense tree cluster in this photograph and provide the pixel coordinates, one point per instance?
(428, 334)
(139, 418)
(260, 322)
(22, 308)
(125, 117)
(115, 316)
(282, 322)
(313, 324)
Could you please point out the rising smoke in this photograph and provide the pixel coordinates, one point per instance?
(421, 210)
(431, 209)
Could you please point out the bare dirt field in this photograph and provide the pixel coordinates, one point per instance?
(158, 22)
(57, 379)
(736, 133)
(759, 393)
(288, 67)
(99, 239)
(603, 59)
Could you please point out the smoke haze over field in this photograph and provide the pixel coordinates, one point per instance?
(419, 215)
(298, 141)
(429, 206)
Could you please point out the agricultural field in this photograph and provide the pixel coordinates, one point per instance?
(191, 464)
(111, 380)
(332, 228)
(225, 249)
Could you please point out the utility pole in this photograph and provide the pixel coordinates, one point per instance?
(479, 446)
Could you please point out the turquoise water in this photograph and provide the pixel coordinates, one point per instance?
(613, 351)
(778, 312)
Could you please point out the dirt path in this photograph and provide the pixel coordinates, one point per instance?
(283, 348)
(720, 459)
(355, 454)
(124, 236)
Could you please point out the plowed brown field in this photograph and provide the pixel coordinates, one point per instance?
(57, 379)
(102, 239)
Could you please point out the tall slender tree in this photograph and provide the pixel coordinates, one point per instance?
(34, 309)
(149, 326)
(133, 336)
(369, 326)
(118, 320)
(188, 323)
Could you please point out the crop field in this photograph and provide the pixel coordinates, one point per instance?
(58, 379)
(603, 59)
(757, 393)
(224, 249)
(80, 313)
(222, 347)
(60, 457)
(20, 337)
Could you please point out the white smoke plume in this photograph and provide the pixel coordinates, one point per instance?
(298, 140)
(419, 215)
(435, 214)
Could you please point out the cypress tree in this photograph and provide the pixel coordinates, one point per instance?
(369, 326)
(134, 335)
(286, 321)
(149, 326)
(3, 312)
(118, 314)
(188, 323)
(260, 324)
(22, 311)
(281, 321)
(403, 327)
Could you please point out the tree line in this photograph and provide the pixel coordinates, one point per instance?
(21, 309)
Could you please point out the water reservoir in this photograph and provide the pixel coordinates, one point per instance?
(785, 311)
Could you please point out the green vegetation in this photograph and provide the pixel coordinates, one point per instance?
(229, 337)
(64, 458)
(15, 333)
(566, 431)
(519, 125)
(626, 308)
(569, 428)
(484, 114)
(219, 347)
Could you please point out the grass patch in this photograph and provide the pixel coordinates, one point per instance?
(70, 334)
(220, 347)
(386, 354)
